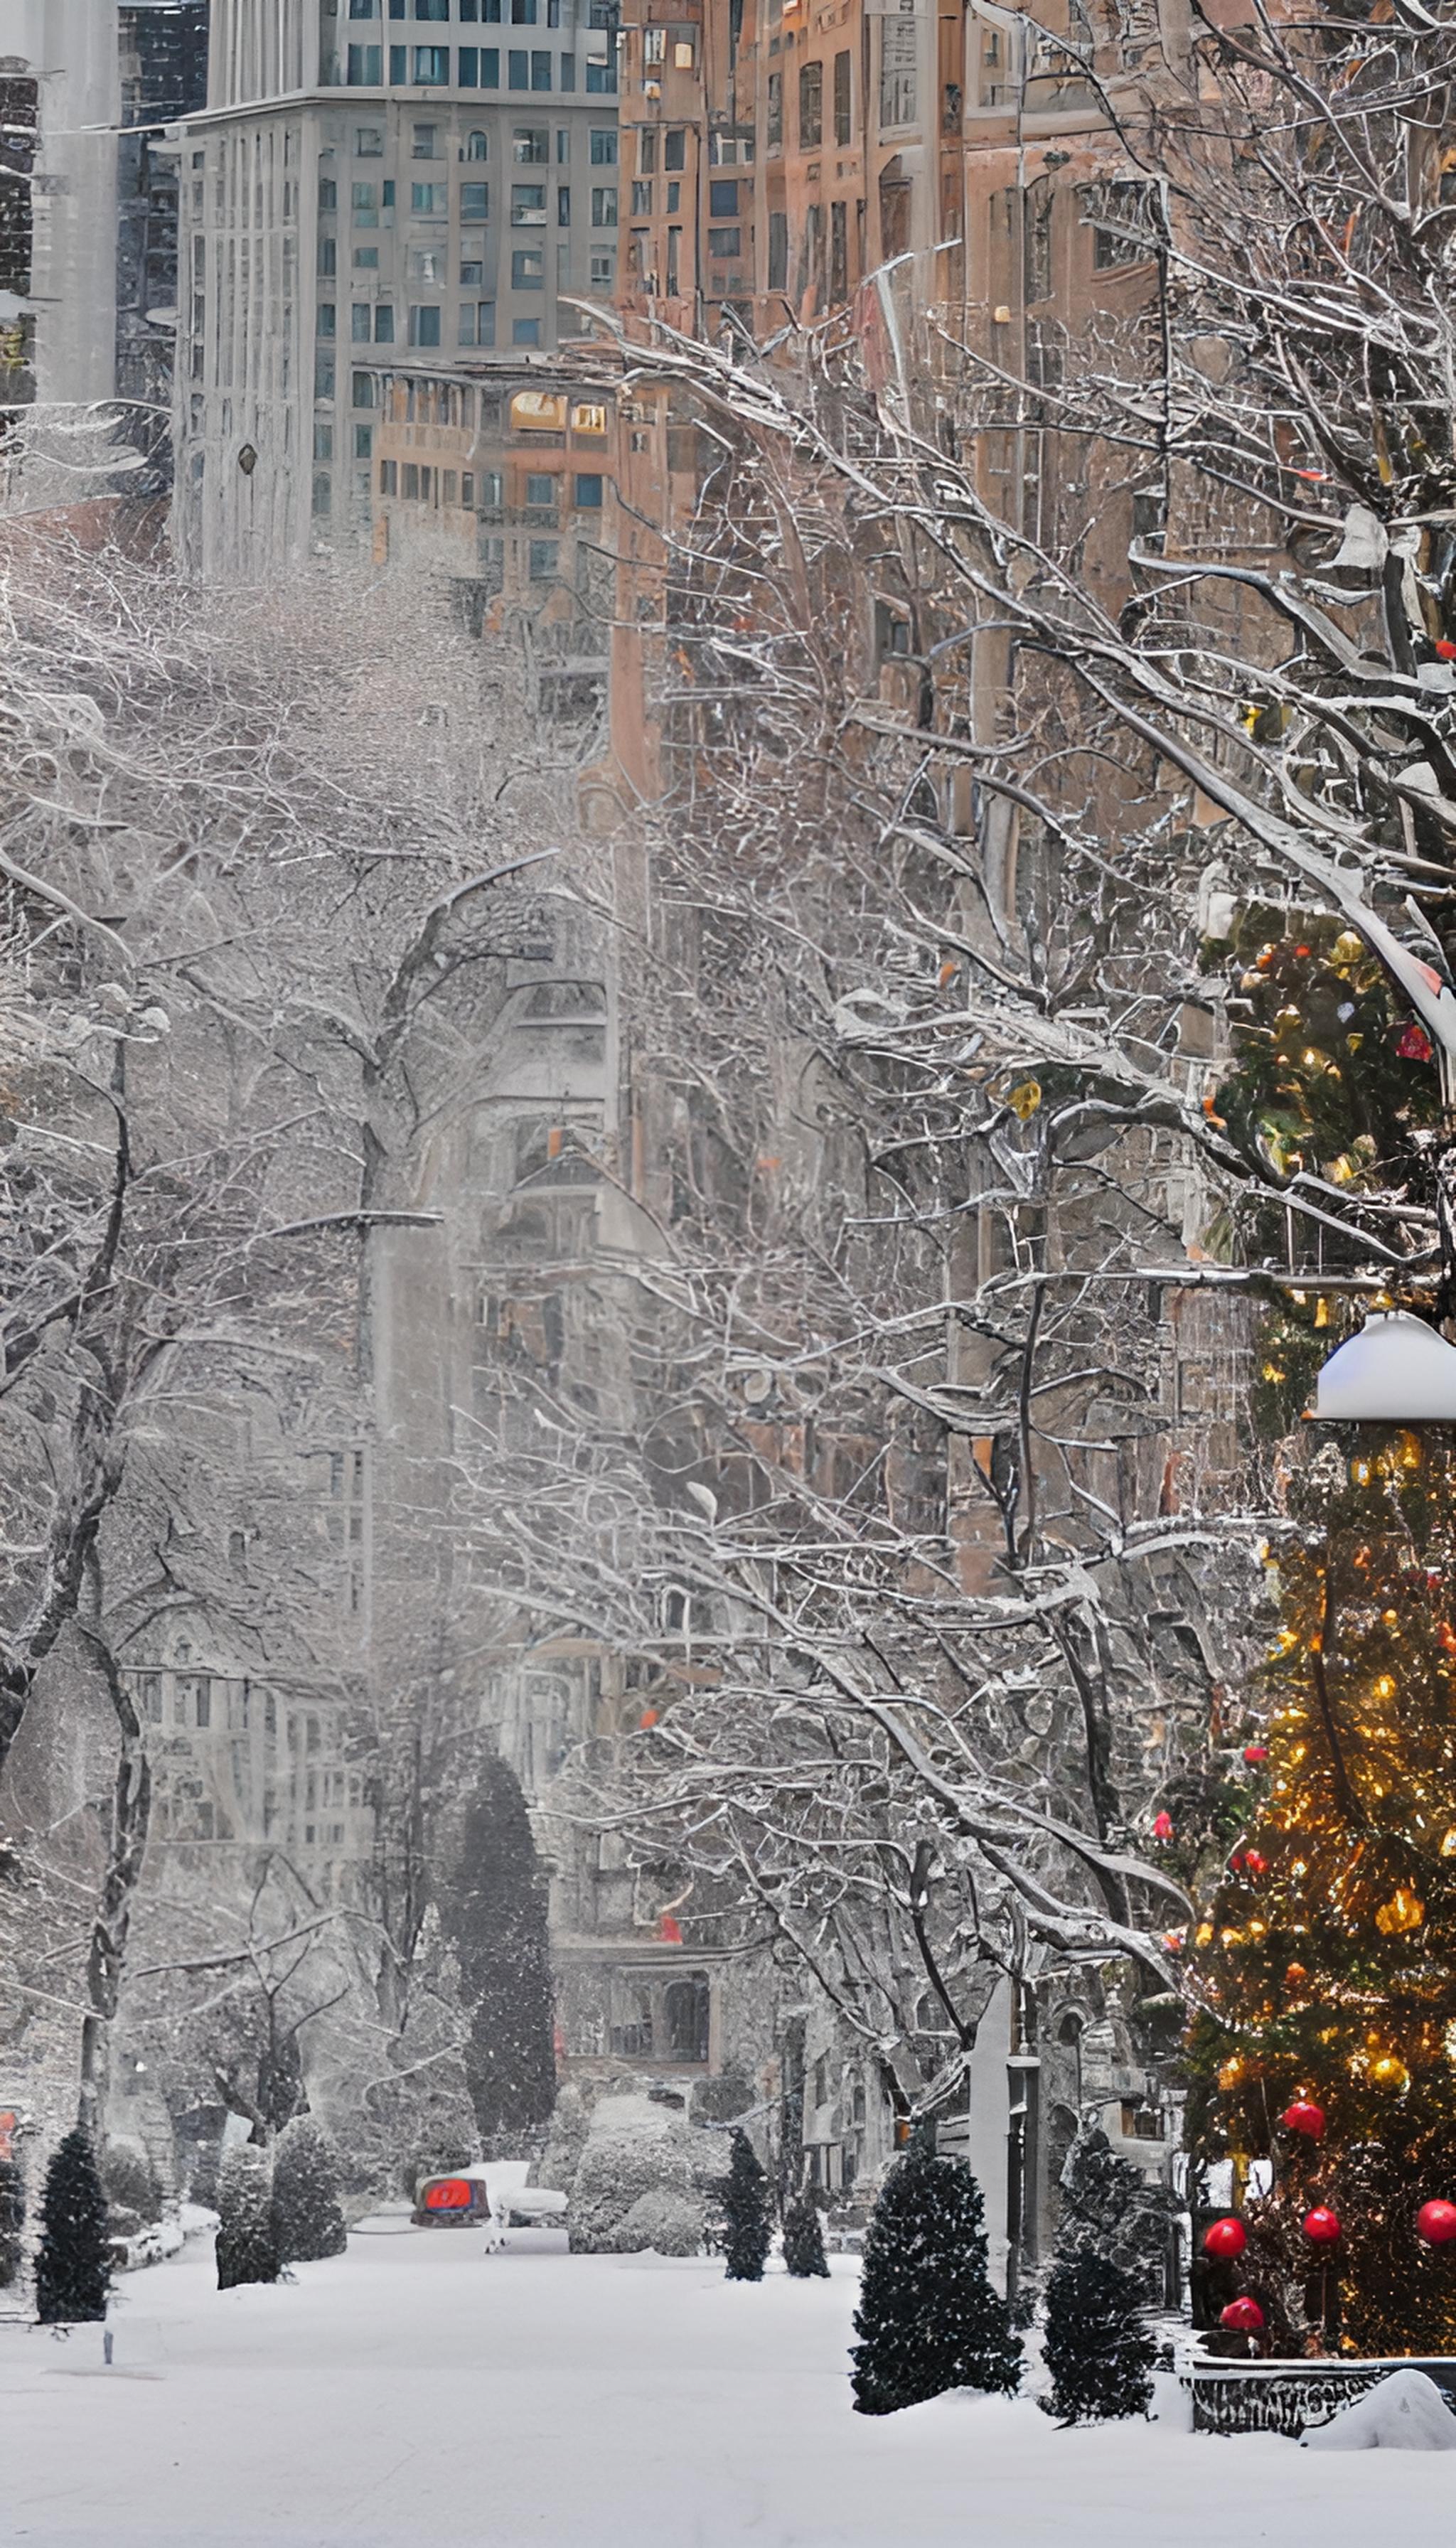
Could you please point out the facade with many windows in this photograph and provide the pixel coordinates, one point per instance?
(377, 187)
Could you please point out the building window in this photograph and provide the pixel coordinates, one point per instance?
(527, 269)
(323, 373)
(368, 141)
(363, 8)
(603, 149)
(363, 441)
(366, 206)
(328, 194)
(654, 47)
(1127, 205)
(473, 266)
(897, 70)
(467, 489)
(468, 70)
(568, 73)
(589, 491)
(328, 255)
(602, 265)
(431, 65)
(322, 450)
(477, 322)
(527, 208)
(723, 199)
(839, 253)
(685, 2009)
(523, 13)
(601, 78)
(475, 202)
(384, 323)
(363, 389)
(774, 127)
(410, 481)
(477, 146)
(435, 10)
(1036, 225)
(675, 149)
(432, 201)
(532, 144)
(540, 70)
(425, 323)
(364, 66)
(388, 476)
(562, 207)
(725, 243)
(642, 197)
(517, 70)
(367, 259)
(425, 142)
(779, 251)
(328, 318)
(151, 1698)
(359, 324)
(842, 97)
(604, 207)
(540, 486)
(811, 104)
(204, 1688)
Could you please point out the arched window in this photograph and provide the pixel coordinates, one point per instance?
(476, 146)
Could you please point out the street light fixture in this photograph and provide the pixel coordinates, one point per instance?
(1396, 1370)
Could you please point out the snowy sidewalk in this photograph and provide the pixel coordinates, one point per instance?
(415, 2392)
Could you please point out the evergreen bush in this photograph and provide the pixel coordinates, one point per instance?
(133, 2189)
(747, 2236)
(73, 2260)
(803, 2241)
(493, 1915)
(12, 2220)
(248, 2250)
(307, 2220)
(1096, 2345)
(928, 2317)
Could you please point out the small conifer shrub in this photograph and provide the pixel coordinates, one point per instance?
(746, 2232)
(1096, 2345)
(929, 2316)
(248, 2250)
(73, 2260)
(803, 2241)
(307, 2220)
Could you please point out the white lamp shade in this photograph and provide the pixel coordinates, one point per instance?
(1396, 1370)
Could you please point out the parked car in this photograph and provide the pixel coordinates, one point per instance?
(493, 2196)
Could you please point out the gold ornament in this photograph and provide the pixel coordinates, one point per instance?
(1386, 2070)
(1403, 1912)
(1025, 1099)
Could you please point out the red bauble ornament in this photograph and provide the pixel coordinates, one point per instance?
(1255, 1755)
(1244, 2316)
(1163, 1827)
(1254, 1864)
(1436, 2223)
(1413, 1044)
(1321, 2226)
(1227, 2238)
(1445, 650)
(1302, 2116)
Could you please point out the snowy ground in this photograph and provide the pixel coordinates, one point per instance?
(416, 2391)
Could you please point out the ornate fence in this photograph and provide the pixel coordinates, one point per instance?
(1290, 2396)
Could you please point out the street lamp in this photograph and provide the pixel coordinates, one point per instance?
(1396, 1370)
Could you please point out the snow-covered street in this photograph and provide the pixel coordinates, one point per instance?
(415, 2392)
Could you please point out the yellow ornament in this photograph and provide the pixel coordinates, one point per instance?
(1230, 2074)
(1025, 1099)
(1386, 2070)
(1403, 1912)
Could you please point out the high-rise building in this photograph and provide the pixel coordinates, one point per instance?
(375, 206)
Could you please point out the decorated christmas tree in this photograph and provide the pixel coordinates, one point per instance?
(72, 2262)
(746, 2235)
(1325, 1969)
(306, 2219)
(928, 2317)
(803, 2241)
(1096, 2343)
(247, 2245)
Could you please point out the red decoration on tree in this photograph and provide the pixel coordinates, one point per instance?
(1321, 2226)
(667, 1931)
(1227, 2238)
(1244, 2316)
(1163, 1827)
(1436, 2223)
(1413, 1044)
(1445, 650)
(1255, 1755)
(1248, 1861)
(1305, 2117)
(647, 1720)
